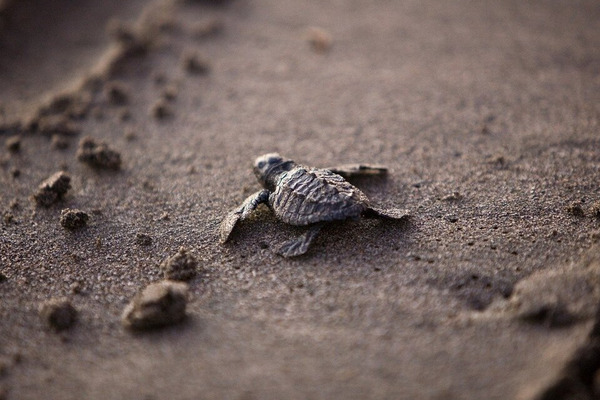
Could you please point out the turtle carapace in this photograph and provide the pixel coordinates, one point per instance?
(300, 195)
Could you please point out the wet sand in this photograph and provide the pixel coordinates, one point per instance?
(487, 115)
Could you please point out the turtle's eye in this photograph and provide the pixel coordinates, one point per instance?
(261, 164)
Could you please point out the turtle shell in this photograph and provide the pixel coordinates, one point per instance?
(305, 196)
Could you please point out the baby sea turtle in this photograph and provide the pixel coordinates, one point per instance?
(300, 195)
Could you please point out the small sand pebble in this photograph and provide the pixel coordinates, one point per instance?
(161, 110)
(58, 313)
(180, 267)
(596, 210)
(169, 92)
(130, 134)
(76, 288)
(143, 240)
(73, 219)
(319, 39)
(8, 218)
(575, 209)
(59, 142)
(194, 64)
(53, 189)
(97, 154)
(15, 172)
(116, 93)
(451, 218)
(148, 185)
(13, 143)
(159, 304)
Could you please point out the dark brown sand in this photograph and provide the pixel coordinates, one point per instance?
(487, 114)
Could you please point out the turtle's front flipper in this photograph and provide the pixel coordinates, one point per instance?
(354, 170)
(242, 212)
(299, 246)
(375, 212)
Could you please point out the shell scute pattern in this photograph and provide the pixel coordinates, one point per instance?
(304, 197)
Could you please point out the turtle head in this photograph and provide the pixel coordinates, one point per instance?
(268, 167)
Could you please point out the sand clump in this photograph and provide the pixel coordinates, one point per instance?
(8, 218)
(170, 92)
(130, 134)
(596, 210)
(58, 313)
(159, 304)
(143, 239)
(58, 142)
(575, 209)
(98, 154)
(121, 32)
(194, 64)
(134, 40)
(13, 143)
(73, 219)
(180, 267)
(161, 110)
(53, 189)
(116, 93)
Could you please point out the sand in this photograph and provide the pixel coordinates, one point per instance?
(486, 114)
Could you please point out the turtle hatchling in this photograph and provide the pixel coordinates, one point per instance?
(305, 196)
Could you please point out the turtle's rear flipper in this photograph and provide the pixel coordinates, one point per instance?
(392, 213)
(241, 213)
(228, 224)
(354, 170)
(299, 246)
